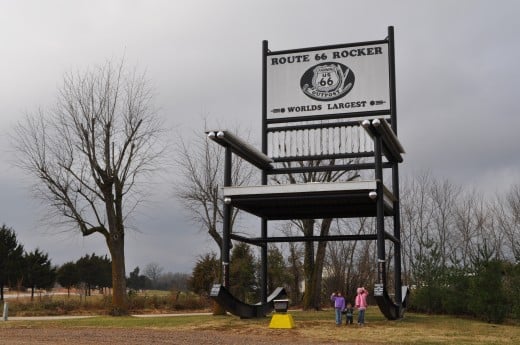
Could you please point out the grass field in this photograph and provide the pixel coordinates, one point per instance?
(319, 326)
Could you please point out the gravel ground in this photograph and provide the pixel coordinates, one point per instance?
(111, 336)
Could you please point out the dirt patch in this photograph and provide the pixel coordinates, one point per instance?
(111, 336)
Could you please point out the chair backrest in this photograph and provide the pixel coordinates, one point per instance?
(339, 144)
(318, 141)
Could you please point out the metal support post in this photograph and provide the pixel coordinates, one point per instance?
(6, 311)
(226, 221)
(397, 235)
(395, 168)
(263, 248)
(380, 221)
(263, 273)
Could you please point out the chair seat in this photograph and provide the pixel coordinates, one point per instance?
(309, 200)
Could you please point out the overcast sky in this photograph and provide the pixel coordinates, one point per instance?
(458, 82)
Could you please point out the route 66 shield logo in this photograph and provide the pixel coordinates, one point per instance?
(326, 77)
(327, 81)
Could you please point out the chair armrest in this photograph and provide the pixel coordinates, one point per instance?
(241, 148)
(392, 147)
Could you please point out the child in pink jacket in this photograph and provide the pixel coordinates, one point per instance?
(361, 304)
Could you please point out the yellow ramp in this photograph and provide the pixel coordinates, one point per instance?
(281, 321)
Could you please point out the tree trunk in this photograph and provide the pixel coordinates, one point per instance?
(116, 245)
(295, 272)
(318, 266)
(313, 267)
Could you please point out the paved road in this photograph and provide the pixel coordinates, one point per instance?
(39, 318)
(65, 317)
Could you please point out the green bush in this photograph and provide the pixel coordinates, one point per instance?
(487, 297)
(512, 288)
(455, 298)
(491, 292)
(427, 299)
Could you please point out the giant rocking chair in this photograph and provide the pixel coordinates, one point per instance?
(360, 141)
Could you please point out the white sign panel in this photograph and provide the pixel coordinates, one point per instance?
(378, 290)
(328, 81)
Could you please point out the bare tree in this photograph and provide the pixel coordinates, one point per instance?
(90, 154)
(295, 269)
(153, 271)
(350, 264)
(200, 164)
(506, 210)
(444, 196)
(466, 223)
(342, 258)
(485, 228)
(294, 263)
(417, 219)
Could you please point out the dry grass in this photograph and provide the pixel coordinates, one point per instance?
(150, 302)
(421, 329)
(413, 329)
(314, 327)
